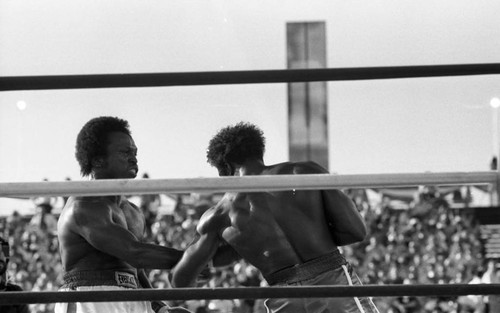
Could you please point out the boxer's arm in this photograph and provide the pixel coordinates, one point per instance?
(225, 255)
(94, 222)
(214, 219)
(194, 260)
(345, 223)
(206, 246)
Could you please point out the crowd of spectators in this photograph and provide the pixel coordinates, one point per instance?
(426, 243)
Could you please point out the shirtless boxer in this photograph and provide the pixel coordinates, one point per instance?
(100, 238)
(292, 237)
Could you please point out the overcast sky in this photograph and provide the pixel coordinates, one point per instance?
(385, 126)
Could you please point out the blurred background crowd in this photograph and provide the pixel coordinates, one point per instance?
(428, 241)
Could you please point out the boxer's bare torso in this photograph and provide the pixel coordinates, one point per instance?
(84, 226)
(274, 230)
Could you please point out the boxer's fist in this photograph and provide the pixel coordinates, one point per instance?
(214, 219)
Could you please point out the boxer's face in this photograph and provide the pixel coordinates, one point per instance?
(121, 159)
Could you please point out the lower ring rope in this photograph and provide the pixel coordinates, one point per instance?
(20, 297)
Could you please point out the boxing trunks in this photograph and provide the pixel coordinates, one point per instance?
(331, 270)
(102, 280)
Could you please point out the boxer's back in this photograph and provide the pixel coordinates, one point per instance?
(273, 230)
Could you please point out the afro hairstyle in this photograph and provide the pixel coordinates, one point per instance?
(92, 140)
(235, 144)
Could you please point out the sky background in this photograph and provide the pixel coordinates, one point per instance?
(379, 126)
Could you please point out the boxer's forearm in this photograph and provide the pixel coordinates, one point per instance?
(194, 260)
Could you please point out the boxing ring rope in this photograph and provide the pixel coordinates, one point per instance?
(11, 83)
(251, 184)
(239, 184)
(249, 293)
(248, 183)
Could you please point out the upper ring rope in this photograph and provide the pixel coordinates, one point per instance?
(21, 297)
(240, 77)
(238, 184)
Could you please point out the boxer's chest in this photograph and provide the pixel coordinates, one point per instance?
(130, 218)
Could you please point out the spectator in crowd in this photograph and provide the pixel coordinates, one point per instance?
(5, 285)
(473, 303)
(43, 228)
(43, 221)
(13, 225)
(263, 227)
(149, 205)
(490, 276)
(494, 304)
(44, 200)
